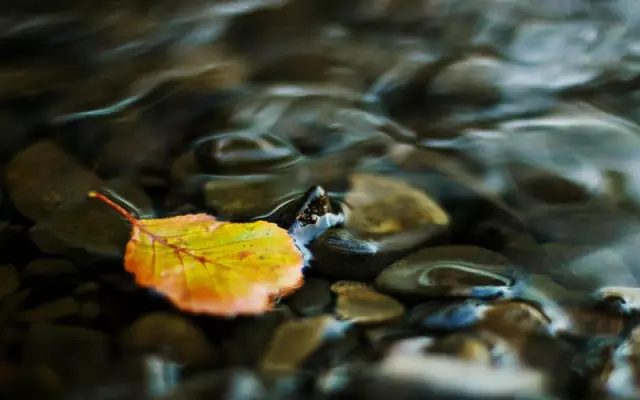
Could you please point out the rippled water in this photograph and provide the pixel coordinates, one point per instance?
(465, 175)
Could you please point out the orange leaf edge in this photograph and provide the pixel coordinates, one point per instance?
(224, 307)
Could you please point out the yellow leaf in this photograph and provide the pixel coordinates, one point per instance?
(208, 266)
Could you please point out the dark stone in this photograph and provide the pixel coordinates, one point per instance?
(312, 298)
(78, 356)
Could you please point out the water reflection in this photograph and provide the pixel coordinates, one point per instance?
(476, 163)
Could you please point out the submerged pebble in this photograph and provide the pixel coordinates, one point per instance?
(361, 304)
(295, 341)
(171, 336)
(312, 299)
(462, 177)
(380, 205)
(453, 271)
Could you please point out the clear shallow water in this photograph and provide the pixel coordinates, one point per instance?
(426, 126)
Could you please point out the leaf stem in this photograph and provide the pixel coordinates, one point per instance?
(95, 195)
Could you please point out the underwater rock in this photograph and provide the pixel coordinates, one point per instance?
(170, 335)
(452, 271)
(361, 304)
(43, 176)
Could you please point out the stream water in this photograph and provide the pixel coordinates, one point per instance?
(464, 176)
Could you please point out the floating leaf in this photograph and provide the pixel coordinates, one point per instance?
(208, 266)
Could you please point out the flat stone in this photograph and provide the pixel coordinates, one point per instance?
(449, 271)
(383, 204)
(43, 176)
(361, 304)
(82, 224)
(170, 335)
(312, 298)
(295, 341)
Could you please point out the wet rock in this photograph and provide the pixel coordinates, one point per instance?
(342, 254)
(237, 153)
(43, 176)
(312, 298)
(380, 337)
(516, 332)
(9, 281)
(402, 87)
(578, 127)
(232, 384)
(313, 215)
(590, 320)
(170, 335)
(475, 78)
(248, 196)
(556, 301)
(447, 315)
(361, 304)
(534, 185)
(595, 364)
(249, 338)
(78, 356)
(528, 343)
(47, 267)
(628, 297)
(61, 308)
(83, 227)
(452, 271)
(295, 341)
(342, 345)
(514, 317)
(183, 168)
(382, 205)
